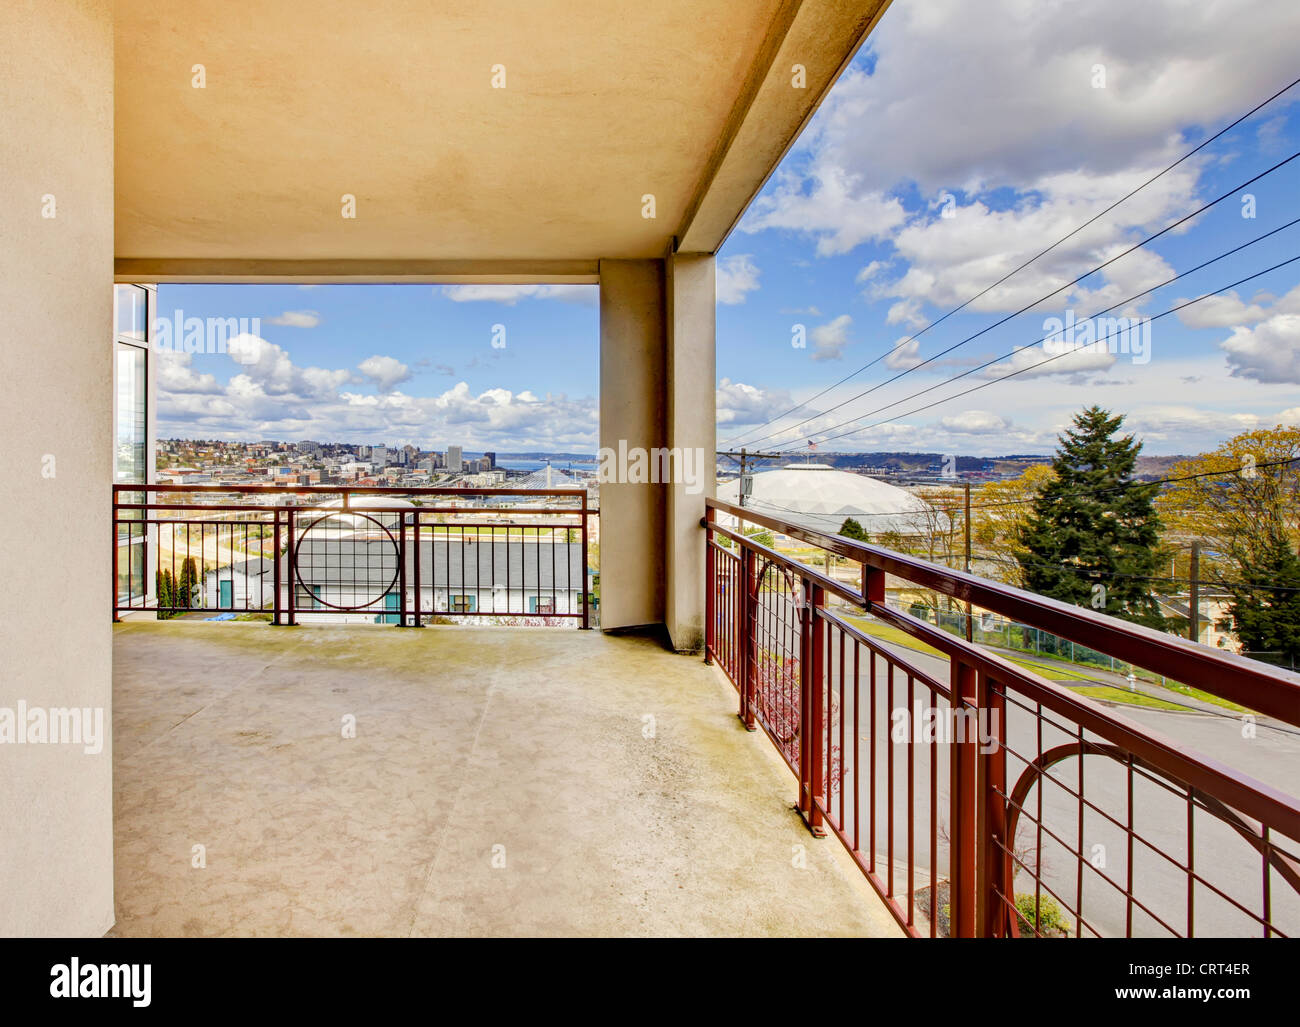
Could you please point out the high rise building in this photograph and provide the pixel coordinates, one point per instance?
(490, 460)
(453, 459)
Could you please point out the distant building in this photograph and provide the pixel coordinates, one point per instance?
(453, 459)
(532, 578)
(820, 497)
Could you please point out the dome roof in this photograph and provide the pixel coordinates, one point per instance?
(818, 496)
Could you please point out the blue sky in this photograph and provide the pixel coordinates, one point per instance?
(994, 113)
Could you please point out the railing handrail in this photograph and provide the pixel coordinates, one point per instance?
(1257, 686)
(335, 489)
(1253, 797)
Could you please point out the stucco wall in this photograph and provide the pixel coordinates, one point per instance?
(691, 409)
(632, 412)
(56, 801)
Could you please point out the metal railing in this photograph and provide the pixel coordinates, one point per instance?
(404, 556)
(979, 798)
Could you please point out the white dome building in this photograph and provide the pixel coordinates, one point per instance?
(818, 496)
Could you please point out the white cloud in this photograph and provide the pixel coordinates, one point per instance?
(1268, 352)
(1004, 96)
(831, 207)
(1004, 101)
(830, 339)
(270, 396)
(975, 422)
(269, 366)
(739, 404)
(1228, 310)
(176, 374)
(1036, 362)
(509, 295)
(736, 276)
(296, 319)
(906, 353)
(385, 372)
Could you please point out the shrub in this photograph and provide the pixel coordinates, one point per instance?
(1050, 919)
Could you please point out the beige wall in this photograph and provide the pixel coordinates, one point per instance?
(632, 412)
(691, 423)
(56, 802)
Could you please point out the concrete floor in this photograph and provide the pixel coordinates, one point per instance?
(229, 736)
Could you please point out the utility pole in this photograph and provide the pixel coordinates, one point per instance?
(744, 457)
(1194, 599)
(970, 623)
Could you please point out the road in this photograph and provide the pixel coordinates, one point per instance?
(1159, 814)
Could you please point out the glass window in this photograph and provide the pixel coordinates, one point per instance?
(131, 303)
(129, 375)
(130, 565)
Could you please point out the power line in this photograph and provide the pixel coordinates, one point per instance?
(1012, 353)
(1040, 363)
(1001, 321)
(1017, 270)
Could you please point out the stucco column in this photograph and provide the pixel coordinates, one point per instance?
(56, 302)
(632, 417)
(691, 429)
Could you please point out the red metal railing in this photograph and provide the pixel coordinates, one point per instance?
(979, 798)
(396, 555)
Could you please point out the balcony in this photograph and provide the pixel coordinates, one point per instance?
(229, 736)
(339, 777)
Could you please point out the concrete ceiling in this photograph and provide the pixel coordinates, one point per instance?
(392, 102)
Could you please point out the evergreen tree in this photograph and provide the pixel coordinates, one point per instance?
(852, 529)
(1268, 619)
(1091, 539)
(166, 593)
(188, 584)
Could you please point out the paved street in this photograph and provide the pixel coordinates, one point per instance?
(1159, 816)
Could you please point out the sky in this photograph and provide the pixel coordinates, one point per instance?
(963, 140)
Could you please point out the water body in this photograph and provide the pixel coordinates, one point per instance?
(539, 465)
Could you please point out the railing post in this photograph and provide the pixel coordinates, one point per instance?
(292, 566)
(962, 825)
(745, 628)
(116, 618)
(710, 587)
(812, 672)
(415, 568)
(275, 557)
(995, 871)
(586, 606)
(401, 571)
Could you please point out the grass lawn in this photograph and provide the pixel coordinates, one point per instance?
(1214, 700)
(1123, 695)
(1076, 672)
(887, 633)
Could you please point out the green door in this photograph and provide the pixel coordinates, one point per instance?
(390, 603)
